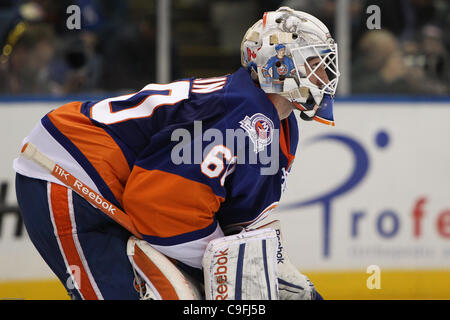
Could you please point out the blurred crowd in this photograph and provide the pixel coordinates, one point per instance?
(115, 48)
(409, 55)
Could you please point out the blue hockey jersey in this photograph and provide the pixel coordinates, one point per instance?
(187, 161)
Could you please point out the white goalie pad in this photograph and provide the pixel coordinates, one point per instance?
(157, 277)
(242, 267)
(292, 284)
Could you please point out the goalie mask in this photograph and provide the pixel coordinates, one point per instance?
(293, 54)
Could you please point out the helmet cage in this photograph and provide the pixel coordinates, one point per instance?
(327, 53)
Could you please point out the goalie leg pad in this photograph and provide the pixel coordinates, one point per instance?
(242, 267)
(162, 280)
(292, 284)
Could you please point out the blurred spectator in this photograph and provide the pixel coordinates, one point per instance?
(130, 56)
(25, 69)
(115, 50)
(404, 18)
(436, 60)
(380, 67)
(77, 66)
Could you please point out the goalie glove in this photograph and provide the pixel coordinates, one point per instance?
(292, 284)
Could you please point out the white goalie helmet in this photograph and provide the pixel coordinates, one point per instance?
(293, 54)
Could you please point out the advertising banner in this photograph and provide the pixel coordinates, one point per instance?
(367, 197)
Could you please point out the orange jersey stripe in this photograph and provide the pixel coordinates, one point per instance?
(285, 142)
(164, 204)
(64, 230)
(154, 275)
(97, 146)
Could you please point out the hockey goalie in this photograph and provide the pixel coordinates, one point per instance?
(196, 198)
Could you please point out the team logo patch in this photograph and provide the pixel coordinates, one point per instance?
(259, 129)
(282, 69)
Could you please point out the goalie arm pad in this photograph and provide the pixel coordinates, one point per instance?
(157, 277)
(241, 267)
(292, 284)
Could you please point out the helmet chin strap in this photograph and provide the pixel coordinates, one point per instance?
(307, 98)
(310, 97)
(305, 114)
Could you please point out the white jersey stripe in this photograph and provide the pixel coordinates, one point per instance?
(209, 80)
(55, 230)
(190, 253)
(209, 85)
(78, 246)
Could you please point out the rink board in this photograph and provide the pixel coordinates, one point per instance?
(371, 191)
